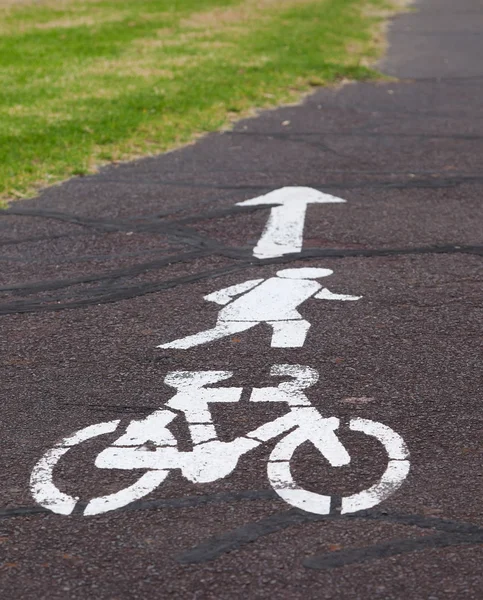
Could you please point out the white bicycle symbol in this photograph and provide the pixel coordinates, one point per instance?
(149, 444)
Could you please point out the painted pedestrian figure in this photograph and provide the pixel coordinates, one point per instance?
(273, 301)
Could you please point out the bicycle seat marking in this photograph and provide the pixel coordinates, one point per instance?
(149, 445)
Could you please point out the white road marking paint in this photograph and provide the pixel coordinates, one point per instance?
(284, 231)
(396, 472)
(41, 481)
(273, 301)
(148, 444)
(146, 484)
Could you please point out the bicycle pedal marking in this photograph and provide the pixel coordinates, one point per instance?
(150, 445)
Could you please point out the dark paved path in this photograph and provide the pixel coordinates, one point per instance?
(99, 271)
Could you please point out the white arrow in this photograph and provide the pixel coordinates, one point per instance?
(284, 231)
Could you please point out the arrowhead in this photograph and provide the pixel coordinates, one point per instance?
(292, 195)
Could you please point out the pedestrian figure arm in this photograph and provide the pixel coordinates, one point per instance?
(326, 294)
(224, 296)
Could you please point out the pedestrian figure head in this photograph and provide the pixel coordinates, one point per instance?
(304, 273)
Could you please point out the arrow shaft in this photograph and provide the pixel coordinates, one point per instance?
(284, 231)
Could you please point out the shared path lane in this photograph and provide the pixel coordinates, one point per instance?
(251, 368)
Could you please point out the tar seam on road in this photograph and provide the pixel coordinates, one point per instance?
(449, 533)
(433, 182)
(176, 230)
(453, 533)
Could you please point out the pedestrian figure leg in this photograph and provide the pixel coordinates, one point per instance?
(289, 334)
(221, 330)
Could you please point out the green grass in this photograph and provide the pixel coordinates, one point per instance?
(84, 82)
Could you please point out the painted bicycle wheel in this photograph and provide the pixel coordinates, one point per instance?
(48, 495)
(281, 479)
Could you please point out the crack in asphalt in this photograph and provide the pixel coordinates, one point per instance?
(387, 549)
(204, 247)
(355, 133)
(109, 294)
(453, 533)
(448, 532)
(435, 182)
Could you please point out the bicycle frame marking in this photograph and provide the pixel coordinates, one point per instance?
(149, 444)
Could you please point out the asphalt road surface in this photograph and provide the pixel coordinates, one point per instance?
(101, 271)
